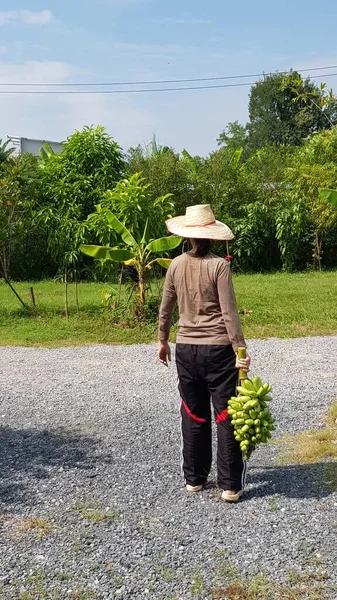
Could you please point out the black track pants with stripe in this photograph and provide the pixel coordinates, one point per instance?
(205, 373)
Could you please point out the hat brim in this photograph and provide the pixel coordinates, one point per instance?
(215, 231)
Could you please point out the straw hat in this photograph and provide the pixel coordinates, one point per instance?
(199, 223)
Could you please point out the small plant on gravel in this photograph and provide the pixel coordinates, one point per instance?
(262, 589)
(311, 446)
(39, 525)
(197, 584)
(273, 505)
(94, 512)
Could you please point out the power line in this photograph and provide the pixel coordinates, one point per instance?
(133, 91)
(164, 81)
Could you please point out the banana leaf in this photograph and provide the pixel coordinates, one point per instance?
(164, 244)
(106, 253)
(328, 195)
(125, 234)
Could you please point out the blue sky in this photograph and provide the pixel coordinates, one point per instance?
(45, 41)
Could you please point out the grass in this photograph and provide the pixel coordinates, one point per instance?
(39, 525)
(260, 589)
(314, 445)
(277, 305)
(94, 512)
(299, 585)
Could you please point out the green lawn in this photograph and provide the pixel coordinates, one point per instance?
(279, 305)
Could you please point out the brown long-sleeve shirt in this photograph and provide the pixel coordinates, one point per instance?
(207, 307)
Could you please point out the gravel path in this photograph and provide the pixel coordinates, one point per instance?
(115, 519)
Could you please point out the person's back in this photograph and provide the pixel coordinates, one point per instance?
(203, 287)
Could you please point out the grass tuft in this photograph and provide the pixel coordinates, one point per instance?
(306, 587)
(308, 447)
(94, 513)
(39, 525)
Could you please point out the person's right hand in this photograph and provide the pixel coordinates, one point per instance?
(243, 363)
(164, 353)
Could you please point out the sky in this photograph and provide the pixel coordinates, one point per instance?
(49, 41)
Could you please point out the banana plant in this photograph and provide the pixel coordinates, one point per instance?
(328, 195)
(136, 254)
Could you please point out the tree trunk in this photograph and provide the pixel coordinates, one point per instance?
(120, 286)
(66, 305)
(3, 275)
(32, 297)
(76, 292)
(14, 291)
(141, 288)
(318, 252)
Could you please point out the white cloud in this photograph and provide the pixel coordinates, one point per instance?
(26, 17)
(56, 116)
(36, 72)
(3, 49)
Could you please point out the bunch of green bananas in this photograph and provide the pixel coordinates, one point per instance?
(251, 418)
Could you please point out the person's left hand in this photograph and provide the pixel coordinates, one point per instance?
(164, 353)
(243, 363)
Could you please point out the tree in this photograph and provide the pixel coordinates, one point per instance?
(136, 252)
(233, 136)
(18, 193)
(279, 114)
(90, 163)
(315, 167)
(167, 172)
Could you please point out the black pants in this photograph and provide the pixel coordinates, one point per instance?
(208, 372)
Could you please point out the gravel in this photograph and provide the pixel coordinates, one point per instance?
(92, 504)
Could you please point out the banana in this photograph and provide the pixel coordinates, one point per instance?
(250, 404)
(250, 417)
(234, 405)
(257, 383)
(243, 397)
(245, 392)
(248, 385)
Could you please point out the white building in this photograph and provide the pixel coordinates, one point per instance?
(28, 145)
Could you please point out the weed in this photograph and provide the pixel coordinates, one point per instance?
(197, 584)
(314, 445)
(273, 505)
(39, 525)
(94, 513)
(332, 414)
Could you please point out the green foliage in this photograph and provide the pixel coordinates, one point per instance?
(328, 196)
(18, 193)
(286, 110)
(233, 136)
(136, 253)
(132, 201)
(5, 152)
(292, 230)
(167, 173)
(90, 163)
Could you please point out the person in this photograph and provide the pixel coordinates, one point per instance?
(209, 335)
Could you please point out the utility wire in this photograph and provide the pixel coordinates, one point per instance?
(166, 81)
(133, 91)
